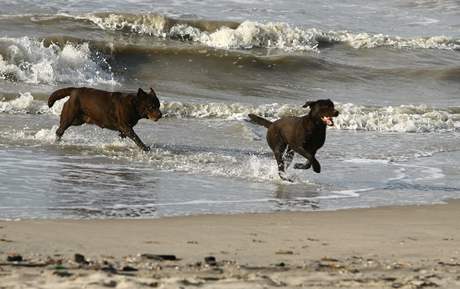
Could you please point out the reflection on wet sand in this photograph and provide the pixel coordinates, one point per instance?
(296, 197)
(88, 190)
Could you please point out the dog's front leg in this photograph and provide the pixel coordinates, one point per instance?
(129, 132)
(312, 161)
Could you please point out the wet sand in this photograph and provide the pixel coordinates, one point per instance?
(391, 247)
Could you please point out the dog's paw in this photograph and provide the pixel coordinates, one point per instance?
(285, 177)
(317, 168)
(302, 166)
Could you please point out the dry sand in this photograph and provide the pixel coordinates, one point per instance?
(393, 247)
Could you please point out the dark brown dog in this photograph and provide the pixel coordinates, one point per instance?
(112, 110)
(303, 135)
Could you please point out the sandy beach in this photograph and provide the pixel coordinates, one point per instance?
(390, 247)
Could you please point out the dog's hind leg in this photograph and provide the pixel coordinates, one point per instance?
(278, 147)
(288, 157)
(278, 152)
(279, 159)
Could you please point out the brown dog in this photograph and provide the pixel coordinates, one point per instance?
(112, 110)
(303, 135)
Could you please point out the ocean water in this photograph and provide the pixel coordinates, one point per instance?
(392, 67)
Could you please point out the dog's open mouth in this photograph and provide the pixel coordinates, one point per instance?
(327, 120)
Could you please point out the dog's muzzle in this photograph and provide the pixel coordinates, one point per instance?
(328, 120)
(155, 115)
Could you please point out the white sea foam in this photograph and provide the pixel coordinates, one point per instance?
(229, 111)
(404, 118)
(31, 61)
(354, 193)
(56, 109)
(250, 34)
(46, 135)
(43, 136)
(253, 167)
(151, 24)
(94, 138)
(26, 104)
(367, 40)
(21, 104)
(425, 173)
(431, 173)
(256, 35)
(366, 161)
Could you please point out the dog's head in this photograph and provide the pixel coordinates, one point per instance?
(148, 104)
(322, 110)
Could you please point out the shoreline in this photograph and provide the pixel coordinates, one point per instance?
(385, 247)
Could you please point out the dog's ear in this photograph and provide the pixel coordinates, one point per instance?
(309, 103)
(140, 92)
(152, 91)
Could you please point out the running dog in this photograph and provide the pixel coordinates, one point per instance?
(303, 135)
(112, 110)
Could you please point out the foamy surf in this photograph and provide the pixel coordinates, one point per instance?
(26, 104)
(253, 167)
(404, 171)
(29, 60)
(22, 104)
(403, 118)
(259, 168)
(253, 34)
(424, 173)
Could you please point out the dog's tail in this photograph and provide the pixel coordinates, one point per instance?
(58, 94)
(259, 120)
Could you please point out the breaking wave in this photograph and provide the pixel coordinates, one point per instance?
(404, 118)
(32, 61)
(250, 34)
(244, 35)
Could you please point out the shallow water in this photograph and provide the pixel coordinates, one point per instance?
(393, 75)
